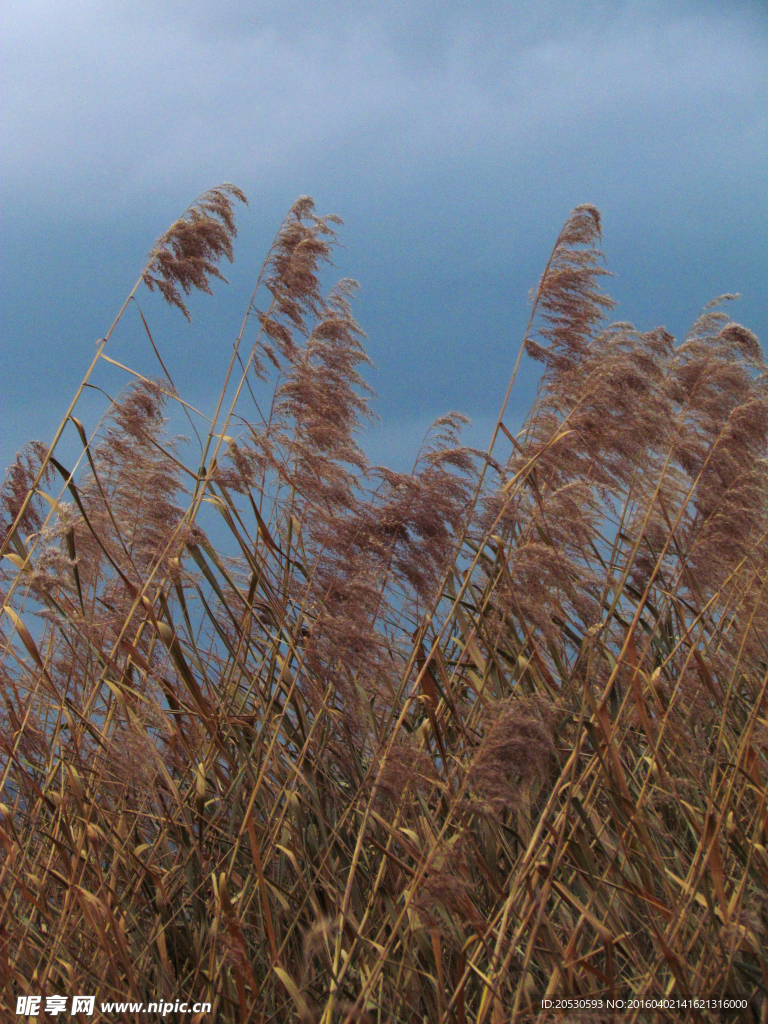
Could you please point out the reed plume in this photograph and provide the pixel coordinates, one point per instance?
(186, 255)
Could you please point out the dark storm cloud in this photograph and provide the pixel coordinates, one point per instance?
(453, 137)
(121, 96)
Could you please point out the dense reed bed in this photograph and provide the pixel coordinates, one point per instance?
(316, 741)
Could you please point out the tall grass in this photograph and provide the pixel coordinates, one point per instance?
(312, 740)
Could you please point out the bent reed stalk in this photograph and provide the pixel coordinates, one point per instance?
(314, 740)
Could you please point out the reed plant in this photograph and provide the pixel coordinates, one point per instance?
(312, 740)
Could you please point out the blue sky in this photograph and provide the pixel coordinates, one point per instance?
(452, 138)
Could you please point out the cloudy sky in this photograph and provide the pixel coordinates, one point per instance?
(453, 138)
